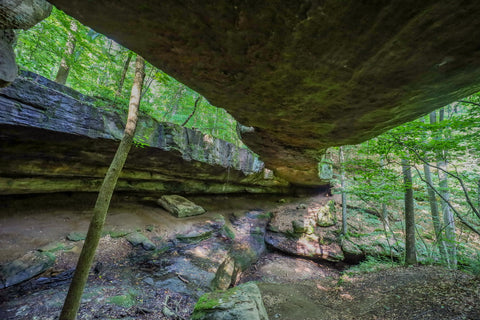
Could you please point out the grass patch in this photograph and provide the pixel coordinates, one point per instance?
(125, 300)
(372, 264)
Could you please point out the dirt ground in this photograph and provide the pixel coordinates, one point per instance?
(292, 288)
(398, 293)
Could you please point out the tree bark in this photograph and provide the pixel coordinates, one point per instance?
(437, 224)
(448, 219)
(72, 301)
(432, 199)
(65, 63)
(410, 250)
(344, 194)
(193, 112)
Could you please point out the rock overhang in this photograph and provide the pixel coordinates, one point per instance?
(306, 75)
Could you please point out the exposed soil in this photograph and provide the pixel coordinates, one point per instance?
(130, 284)
(399, 293)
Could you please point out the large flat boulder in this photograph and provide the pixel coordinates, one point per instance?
(179, 206)
(306, 75)
(25, 268)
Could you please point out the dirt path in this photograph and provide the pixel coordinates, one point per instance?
(399, 293)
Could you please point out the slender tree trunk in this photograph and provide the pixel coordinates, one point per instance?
(432, 199)
(384, 205)
(437, 224)
(478, 195)
(118, 93)
(65, 63)
(72, 301)
(448, 219)
(410, 250)
(193, 112)
(344, 194)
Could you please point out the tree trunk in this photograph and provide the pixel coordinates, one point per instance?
(193, 112)
(437, 224)
(448, 220)
(432, 199)
(65, 63)
(72, 301)
(118, 93)
(384, 205)
(410, 251)
(344, 194)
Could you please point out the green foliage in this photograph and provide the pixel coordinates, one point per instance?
(372, 264)
(96, 69)
(126, 300)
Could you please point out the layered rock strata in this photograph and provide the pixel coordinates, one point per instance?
(53, 139)
(16, 14)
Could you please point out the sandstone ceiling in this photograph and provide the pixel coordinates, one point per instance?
(306, 75)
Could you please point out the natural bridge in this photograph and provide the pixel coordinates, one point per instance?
(306, 75)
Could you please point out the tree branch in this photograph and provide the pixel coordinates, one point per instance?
(193, 112)
(448, 203)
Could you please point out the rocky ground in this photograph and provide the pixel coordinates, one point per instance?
(177, 260)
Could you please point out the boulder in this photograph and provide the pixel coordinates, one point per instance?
(240, 303)
(306, 246)
(24, 268)
(325, 214)
(194, 236)
(137, 239)
(248, 246)
(179, 206)
(76, 236)
(302, 226)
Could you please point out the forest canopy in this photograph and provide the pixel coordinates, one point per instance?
(96, 65)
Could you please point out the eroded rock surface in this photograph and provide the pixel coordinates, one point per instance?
(53, 139)
(312, 231)
(243, 302)
(24, 268)
(306, 74)
(16, 14)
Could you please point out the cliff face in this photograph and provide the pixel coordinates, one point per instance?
(54, 139)
(16, 14)
(305, 74)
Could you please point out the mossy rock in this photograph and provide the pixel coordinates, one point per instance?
(76, 236)
(125, 301)
(194, 236)
(302, 226)
(326, 215)
(26, 267)
(240, 303)
(54, 247)
(137, 238)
